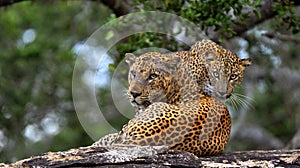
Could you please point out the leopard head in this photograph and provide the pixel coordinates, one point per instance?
(224, 73)
(150, 78)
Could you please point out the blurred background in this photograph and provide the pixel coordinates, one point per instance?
(39, 45)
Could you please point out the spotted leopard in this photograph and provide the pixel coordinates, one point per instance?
(163, 96)
(216, 70)
(178, 114)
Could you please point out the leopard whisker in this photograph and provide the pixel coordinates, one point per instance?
(241, 100)
(232, 103)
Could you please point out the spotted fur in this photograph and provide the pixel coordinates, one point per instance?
(176, 112)
(216, 70)
(177, 95)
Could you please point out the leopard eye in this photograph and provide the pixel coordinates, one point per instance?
(233, 76)
(152, 76)
(216, 74)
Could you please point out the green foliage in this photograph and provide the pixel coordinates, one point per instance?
(272, 114)
(36, 75)
(287, 15)
(146, 40)
(207, 14)
(220, 14)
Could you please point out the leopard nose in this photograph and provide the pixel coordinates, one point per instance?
(135, 94)
(222, 93)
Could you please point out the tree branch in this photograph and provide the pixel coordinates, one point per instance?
(266, 13)
(282, 37)
(119, 7)
(9, 2)
(157, 157)
(123, 7)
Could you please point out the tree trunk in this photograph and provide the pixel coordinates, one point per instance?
(159, 156)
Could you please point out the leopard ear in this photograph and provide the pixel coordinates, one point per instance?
(130, 58)
(245, 63)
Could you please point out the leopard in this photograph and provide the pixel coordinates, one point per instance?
(216, 70)
(178, 114)
(182, 114)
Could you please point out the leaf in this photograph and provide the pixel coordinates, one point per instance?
(111, 67)
(257, 13)
(109, 35)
